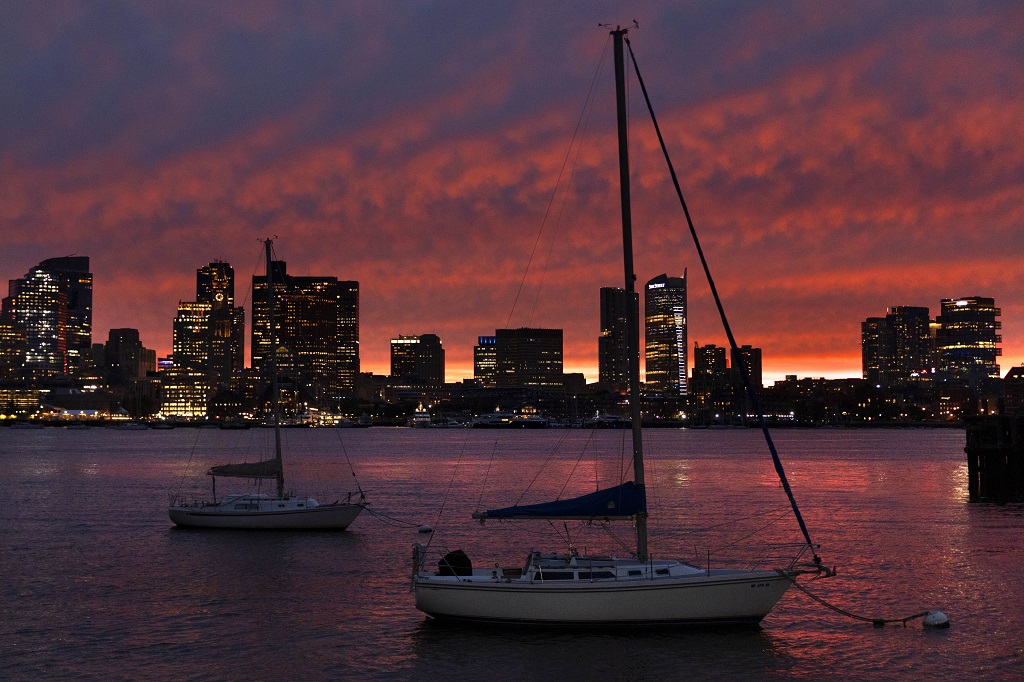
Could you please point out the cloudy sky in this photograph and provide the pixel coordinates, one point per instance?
(838, 158)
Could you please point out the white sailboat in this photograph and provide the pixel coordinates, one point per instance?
(261, 511)
(579, 590)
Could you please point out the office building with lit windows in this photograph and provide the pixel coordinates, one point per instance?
(665, 347)
(898, 347)
(215, 285)
(12, 351)
(52, 307)
(417, 361)
(528, 357)
(317, 333)
(617, 305)
(208, 344)
(967, 340)
(485, 361)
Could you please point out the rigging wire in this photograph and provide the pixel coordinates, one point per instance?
(541, 468)
(751, 394)
(344, 451)
(487, 475)
(447, 492)
(558, 183)
(188, 464)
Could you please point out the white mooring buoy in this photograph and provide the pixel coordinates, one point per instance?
(425, 529)
(936, 619)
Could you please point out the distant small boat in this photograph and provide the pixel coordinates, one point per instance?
(129, 426)
(420, 418)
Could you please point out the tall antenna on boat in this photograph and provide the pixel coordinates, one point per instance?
(633, 318)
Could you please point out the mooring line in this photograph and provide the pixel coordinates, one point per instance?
(877, 622)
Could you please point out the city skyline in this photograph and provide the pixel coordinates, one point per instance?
(838, 161)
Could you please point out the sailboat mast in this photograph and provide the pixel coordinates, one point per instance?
(633, 318)
(272, 366)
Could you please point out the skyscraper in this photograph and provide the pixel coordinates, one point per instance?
(966, 339)
(665, 338)
(711, 391)
(317, 331)
(485, 361)
(52, 305)
(876, 347)
(189, 384)
(123, 357)
(215, 285)
(418, 360)
(529, 357)
(208, 343)
(898, 347)
(613, 344)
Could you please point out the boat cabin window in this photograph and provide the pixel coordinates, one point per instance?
(633, 571)
(556, 575)
(662, 571)
(597, 575)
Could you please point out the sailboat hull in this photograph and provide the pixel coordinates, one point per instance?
(721, 598)
(265, 516)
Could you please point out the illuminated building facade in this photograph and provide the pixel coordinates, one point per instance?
(612, 346)
(189, 384)
(215, 285)
(529, 357)
(711, 386)
(485, 361)
(417, 360)
(12, 351)
(665, 337)
(897, 348)
(52, 307)
(967, 340)
(752, 362)
(209, 338)
(317, 332)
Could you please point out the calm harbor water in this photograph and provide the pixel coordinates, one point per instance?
(97, 584)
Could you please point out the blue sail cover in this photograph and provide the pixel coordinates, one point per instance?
(621, 502)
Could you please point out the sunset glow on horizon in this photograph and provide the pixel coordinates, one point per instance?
(837, 160)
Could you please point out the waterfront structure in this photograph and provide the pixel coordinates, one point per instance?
(665, 337)
(52, 307)
(612, 344)
(485, 361)
(529, 357)
(317, 320)
(897, 348)
(967, 341)
(417, 360)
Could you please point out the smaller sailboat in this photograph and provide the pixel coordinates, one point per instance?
(261, 511)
